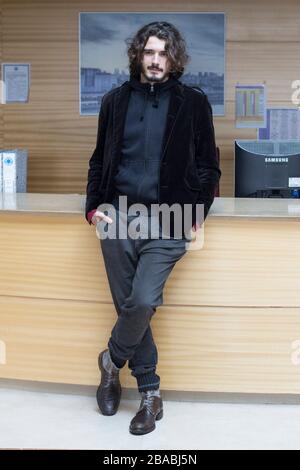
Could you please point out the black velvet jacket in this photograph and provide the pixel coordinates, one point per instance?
(189, 169)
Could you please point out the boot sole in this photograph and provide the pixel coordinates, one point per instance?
(99, 389)
(140, 432)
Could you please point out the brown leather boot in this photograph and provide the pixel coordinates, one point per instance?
(109, 390)
(151, 410)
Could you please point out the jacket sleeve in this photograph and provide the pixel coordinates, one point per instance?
(90, 215)
(207, 164)
(93, 197)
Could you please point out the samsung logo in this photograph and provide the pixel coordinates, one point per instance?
(276, 160)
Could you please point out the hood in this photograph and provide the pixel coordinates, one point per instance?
(151, 89)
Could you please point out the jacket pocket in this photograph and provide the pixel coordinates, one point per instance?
(192, 183)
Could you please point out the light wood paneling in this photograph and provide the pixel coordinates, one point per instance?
(200, 348)
(243, 262)
(262, 44)
(229, 321)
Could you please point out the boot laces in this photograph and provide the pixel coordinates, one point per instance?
(111, 378)
(148, 401)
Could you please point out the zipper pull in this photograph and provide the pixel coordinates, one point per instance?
(151, 89)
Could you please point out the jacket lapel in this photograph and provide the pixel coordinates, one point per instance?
(175, 105)
(119, 115)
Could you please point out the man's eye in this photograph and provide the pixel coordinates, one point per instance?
(151, 52)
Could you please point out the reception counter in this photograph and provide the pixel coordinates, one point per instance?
(230, 321)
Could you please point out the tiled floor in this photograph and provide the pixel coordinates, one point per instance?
(39, 419)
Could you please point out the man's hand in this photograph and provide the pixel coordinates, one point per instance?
(100, 216)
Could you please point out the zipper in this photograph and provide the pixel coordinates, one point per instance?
(145, 154)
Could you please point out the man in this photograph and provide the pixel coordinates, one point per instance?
(155, 144)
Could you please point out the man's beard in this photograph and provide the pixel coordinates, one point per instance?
(154, 78)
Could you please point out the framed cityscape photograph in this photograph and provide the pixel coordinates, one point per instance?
(103, 60)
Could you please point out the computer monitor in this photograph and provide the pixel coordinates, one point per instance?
(269, 169)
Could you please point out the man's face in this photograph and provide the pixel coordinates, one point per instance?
(155, 63)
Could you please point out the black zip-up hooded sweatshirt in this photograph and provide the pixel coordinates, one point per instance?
(137, 174)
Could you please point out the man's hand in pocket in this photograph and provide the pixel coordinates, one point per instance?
(100, 216)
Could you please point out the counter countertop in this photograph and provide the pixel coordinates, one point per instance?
(222, 206)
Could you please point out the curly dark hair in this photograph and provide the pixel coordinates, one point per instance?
(175, 47)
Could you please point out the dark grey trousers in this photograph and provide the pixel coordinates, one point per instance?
(137, 270)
